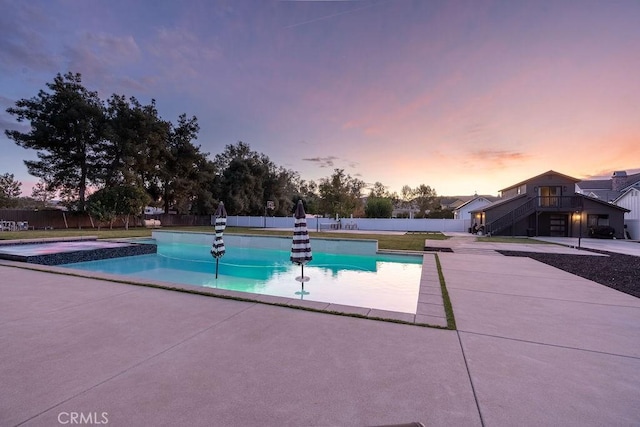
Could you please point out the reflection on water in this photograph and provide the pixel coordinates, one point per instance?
(388, 282)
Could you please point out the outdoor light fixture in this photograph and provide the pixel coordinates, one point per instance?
(579, 213)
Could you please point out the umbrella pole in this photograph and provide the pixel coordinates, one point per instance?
(302, 276)
(217, 259)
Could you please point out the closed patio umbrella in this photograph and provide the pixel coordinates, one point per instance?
(220, 223)
(301, 246)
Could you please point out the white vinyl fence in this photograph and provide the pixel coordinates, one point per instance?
(366, 224)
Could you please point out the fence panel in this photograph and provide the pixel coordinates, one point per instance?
(41, 219)
(366, 224)
(58, 219)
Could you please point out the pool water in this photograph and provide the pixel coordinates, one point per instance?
(386, 282)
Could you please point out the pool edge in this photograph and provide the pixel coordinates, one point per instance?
(417, 319)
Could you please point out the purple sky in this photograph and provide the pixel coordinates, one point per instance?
(463, 96)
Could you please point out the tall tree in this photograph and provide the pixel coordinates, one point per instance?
(67, 126)
(425, 198)
(42, 194)
(307, 191)
(9, 190)
(406, 196)
(247, 180)
(179, 171)
(137, 145)
(379, 190)
(340, 194)
(204, 202)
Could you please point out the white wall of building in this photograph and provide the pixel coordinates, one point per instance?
(631, 200)
(465, 211)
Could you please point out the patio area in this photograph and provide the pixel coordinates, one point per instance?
(534, 346)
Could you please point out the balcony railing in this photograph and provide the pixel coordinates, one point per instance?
(554, 203)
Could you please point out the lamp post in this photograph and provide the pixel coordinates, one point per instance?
(580, 228)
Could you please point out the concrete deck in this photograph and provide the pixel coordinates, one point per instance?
(534, 346)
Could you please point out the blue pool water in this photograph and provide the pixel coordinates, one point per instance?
(387, 282)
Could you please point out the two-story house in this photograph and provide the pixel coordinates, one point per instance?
(547, 205)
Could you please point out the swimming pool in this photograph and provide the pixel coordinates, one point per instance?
(381, 281)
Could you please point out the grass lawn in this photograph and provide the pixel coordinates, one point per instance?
(104, 233)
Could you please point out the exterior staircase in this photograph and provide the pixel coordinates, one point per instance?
(511, 217)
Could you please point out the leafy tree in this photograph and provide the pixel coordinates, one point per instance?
(438, 212)
(109, 203)
(278, 187)
(102, 206)
(9, 190)
(180, 169)
(247, 180)
(204, 202)
(242, 187)
(406, 197)
(308, 192)
(425, 198)
(42, 194)
(136, 144)
(340, 194)
(378, 207)
(379, 190)
(67, 126)
(130, 200)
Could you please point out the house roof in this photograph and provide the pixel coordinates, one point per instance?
(502, 201)
(594, 184)
(471, 201)
(605, 184)
(627, 191)
(549, 172)
(603, 188)
(605, 195)
(602, 202)
(632, 181)
(499, 202)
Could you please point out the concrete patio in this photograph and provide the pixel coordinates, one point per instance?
(534, 346)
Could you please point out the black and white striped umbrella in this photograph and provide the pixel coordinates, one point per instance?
(301, 246)
(220, 223)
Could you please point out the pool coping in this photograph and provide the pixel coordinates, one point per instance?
(37, 240)
(430, 311)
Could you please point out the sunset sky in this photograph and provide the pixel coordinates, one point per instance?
(464, 96)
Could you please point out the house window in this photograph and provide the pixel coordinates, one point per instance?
(595, 220)
(549, 197)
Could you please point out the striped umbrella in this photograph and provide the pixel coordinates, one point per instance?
(217, 249)
(301, 247)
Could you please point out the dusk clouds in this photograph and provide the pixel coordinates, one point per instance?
(461, 96)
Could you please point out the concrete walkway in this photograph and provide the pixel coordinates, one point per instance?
(534, 346)
(545, 347)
